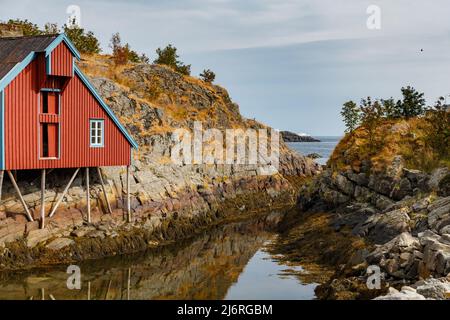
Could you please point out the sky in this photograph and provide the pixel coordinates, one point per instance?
(288, 63)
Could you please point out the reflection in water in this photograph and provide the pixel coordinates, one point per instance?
(265, 279)
(226, 262)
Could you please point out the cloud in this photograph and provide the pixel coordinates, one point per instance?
(290, 63)
(207, 25)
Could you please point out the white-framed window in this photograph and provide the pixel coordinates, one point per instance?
(97, 129)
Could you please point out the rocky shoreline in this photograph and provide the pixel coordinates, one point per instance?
(169, 201)
(402, 216)
(68, 238)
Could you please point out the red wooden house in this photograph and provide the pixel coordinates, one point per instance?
(50, 115)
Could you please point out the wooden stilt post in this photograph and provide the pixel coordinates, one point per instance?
(89, 291)
(88, 197)
(128, 195)
(43, 199)
(61, 197)
(129, 284)
(20, 196)
(2, 173)
(107, 290)
(104, 189)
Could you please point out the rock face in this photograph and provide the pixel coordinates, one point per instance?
(405, 213)
(293, 137)
(151, 101)
(412, 236)
(431, 289)
(380, 190)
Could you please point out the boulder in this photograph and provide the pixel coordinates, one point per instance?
(401, 189)
(444, 186)
(417, 178)
(60, 243)
(438, 289)
(406, 293)
(439, 215)
(436, 256)
(383, 227)
(398, 257)
(381, 184)
(420, 205)
(445, 230)
(82, 231)
(436, 176)
(360, 179)
(429, 289)
(382, 202)
(36, 236)
(344, 185)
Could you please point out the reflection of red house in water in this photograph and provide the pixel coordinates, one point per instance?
(51, 116)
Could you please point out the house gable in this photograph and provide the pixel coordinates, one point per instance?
(48, 51)
(28, 79)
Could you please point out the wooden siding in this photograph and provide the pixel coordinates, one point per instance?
(78, 106)
(48, 118)
(62, 61)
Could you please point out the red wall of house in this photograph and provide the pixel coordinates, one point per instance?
(78, 106)
(62, 61)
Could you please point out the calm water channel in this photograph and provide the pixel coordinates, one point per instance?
(227, 262)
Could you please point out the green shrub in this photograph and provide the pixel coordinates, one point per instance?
(412, 105)
(123, 54)
(169, 57)
(85, 42)
(438, 130)
(351, 115)
(208, 76)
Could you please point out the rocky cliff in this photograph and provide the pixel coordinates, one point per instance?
(293, 137)
(395, 198)
(169, 201)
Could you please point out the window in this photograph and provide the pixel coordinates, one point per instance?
(49, 124)
(96, 133)
(49, 102)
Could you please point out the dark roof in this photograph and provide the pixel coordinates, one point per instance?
(16, 49)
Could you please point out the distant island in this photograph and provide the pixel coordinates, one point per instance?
(294, 137)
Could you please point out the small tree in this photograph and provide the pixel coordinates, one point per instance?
(351, 114)
(208, 76)
(413, 103)
(119, 52)
(390, 108)
(85, 42)
(123, 53)
(132, 55)
(169, 57)
(438, 131)
(371, 117)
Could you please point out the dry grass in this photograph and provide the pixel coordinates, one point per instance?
(395, 137)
